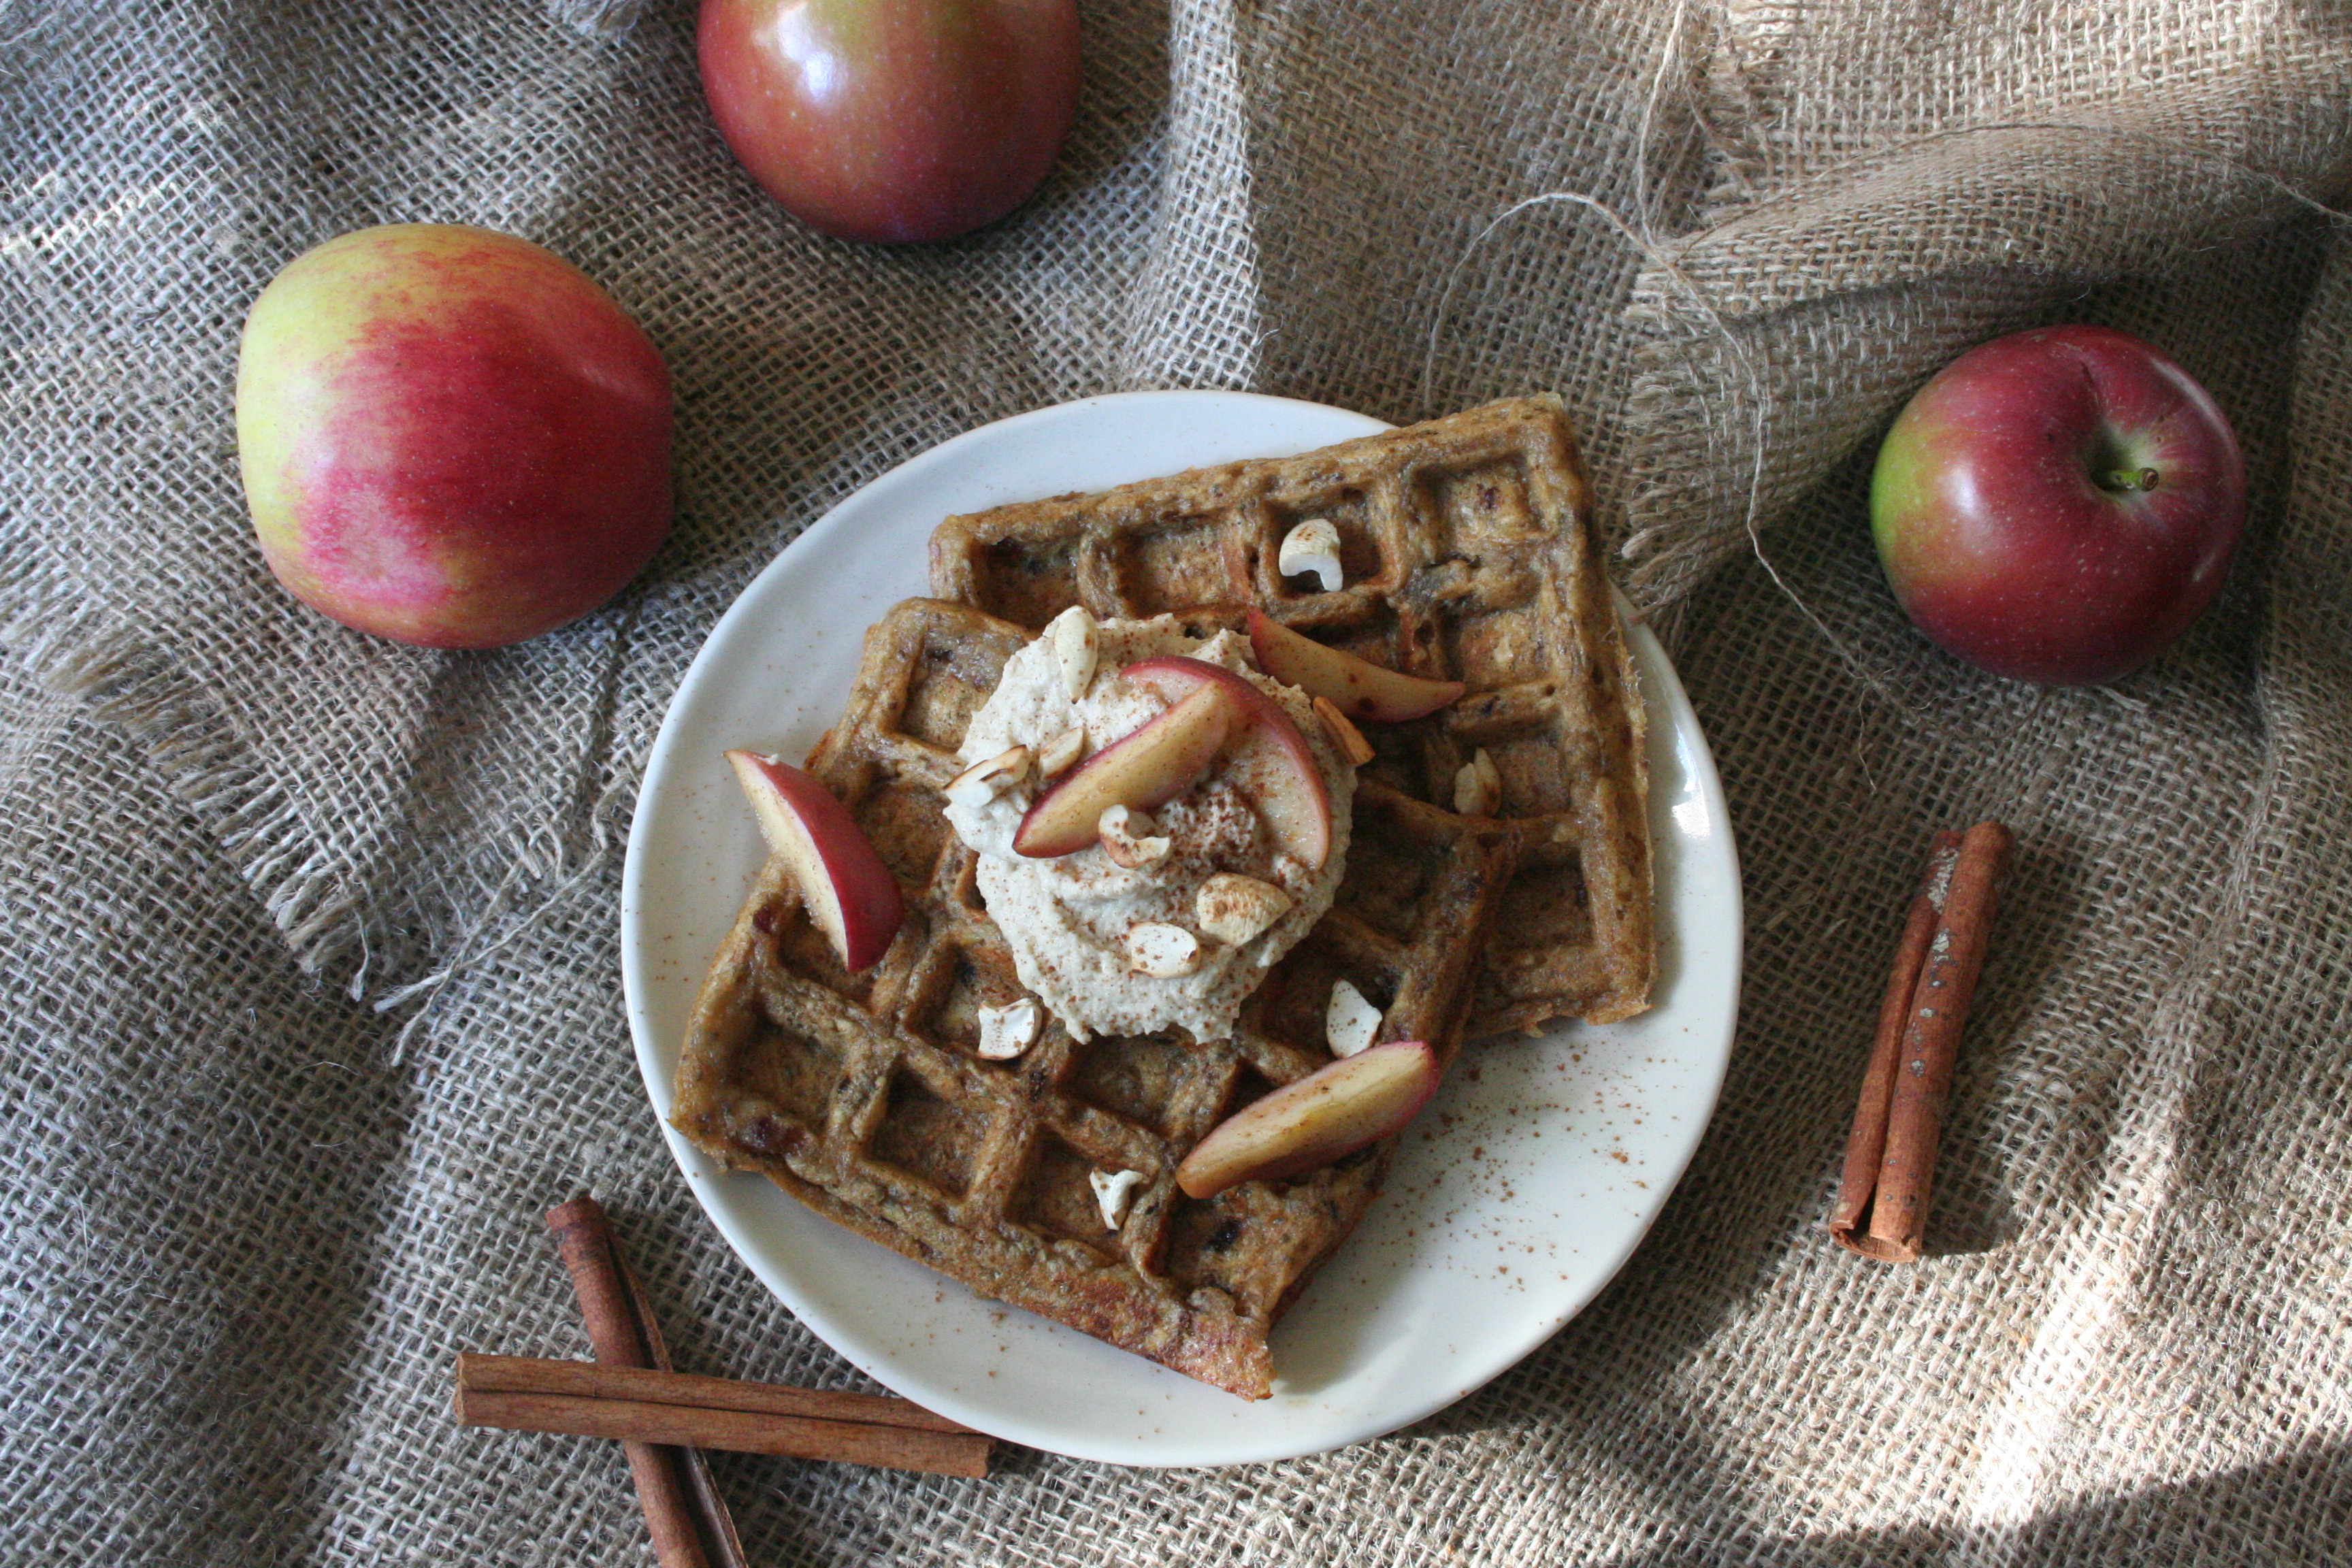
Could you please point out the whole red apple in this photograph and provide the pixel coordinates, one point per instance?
(450, 437)
(2058, 505)
(893, 119)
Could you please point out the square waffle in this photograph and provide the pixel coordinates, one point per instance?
(1468, 556)
(864, 1096)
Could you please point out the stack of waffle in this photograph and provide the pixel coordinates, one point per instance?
(1467, 557)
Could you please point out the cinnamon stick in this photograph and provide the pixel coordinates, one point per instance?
(1890, 1162)
(1866, 1144)
(522, 1393)
(716, 1524)
(595, 1380)
(585, 1241)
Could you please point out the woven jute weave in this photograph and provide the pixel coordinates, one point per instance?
(314, 998)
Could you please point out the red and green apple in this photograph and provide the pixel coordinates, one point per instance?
(2058, 505)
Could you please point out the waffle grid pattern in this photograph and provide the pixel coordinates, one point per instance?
(1467, 555)
(865, 1097)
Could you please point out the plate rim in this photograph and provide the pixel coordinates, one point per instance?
(697, 1168)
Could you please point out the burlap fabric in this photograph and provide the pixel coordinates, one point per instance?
(315, 1000)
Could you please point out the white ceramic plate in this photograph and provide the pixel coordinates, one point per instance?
(1549, 1157)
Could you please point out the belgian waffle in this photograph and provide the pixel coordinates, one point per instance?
(1468, 556)
(864, 1096)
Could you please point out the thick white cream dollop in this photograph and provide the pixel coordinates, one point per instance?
(1066, 918)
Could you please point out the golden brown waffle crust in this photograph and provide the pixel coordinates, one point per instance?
(864, 1096)
(1469, 555)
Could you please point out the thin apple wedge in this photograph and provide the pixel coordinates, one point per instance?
(1147, 769)
(1271, 762)
(1323, 1116)
(850, 893)
(1357, 687)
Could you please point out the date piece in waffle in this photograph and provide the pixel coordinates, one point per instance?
(1468, 556)
(864, 1096)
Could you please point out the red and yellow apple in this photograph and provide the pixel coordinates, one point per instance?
(1270, 761)
(450, 437)
(2058, 505)
(849, 893)
(1305, 1125)
(892, 120)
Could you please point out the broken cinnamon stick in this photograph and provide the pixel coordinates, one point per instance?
(1890, 1163)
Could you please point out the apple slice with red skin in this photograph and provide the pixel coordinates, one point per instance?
(1325, 1116)
(1147, 769)
(1271, 763)
(850, 893)
(1357, 687)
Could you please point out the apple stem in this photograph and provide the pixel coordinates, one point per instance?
(2129, 480)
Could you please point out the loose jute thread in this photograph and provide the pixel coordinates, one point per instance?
(1642, 238)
